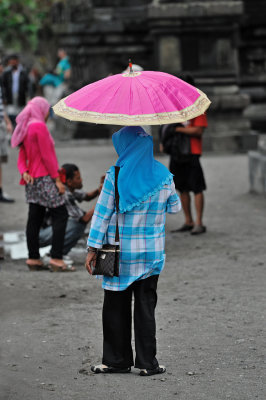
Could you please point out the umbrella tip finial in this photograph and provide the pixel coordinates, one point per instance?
(130, 66)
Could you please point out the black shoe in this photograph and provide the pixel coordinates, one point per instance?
(4, 199)
(183, 228)
(198, 229)
(148, 372)
(98, 369)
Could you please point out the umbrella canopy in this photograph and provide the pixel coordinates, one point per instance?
(134, 98)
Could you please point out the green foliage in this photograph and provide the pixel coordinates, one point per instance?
(20, 21)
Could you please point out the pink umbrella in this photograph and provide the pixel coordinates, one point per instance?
(134, 98)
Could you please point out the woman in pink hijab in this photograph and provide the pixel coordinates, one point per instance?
(38, 166)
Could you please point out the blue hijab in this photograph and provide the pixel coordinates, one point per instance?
(140, 174)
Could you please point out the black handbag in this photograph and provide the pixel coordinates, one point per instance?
(175, 144)
(181, 144)
(181, 150)
(107, 260)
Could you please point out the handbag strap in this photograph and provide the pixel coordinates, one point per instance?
(116, 203)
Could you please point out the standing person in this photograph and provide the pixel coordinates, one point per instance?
(5, 126)
(189, 177)
(55, 84)
(15, 83)
(34, 78)
(63, 68)
(146, 192)
(188, 173)
(77, 218)
(38, 166)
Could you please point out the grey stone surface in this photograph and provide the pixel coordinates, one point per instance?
(257, 172)
(226, 89)
(262, 143)
(170, 53)
(256, 93)
(192, 9)
(236, 101)
(233, 143)
(210, 312)
(256, 112)
(221, 124)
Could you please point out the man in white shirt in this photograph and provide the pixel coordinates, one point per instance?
(15, 85)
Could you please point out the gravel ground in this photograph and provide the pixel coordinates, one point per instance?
(210, 313)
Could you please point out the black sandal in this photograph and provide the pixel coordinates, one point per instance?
(183, 228)
(148, 372)
(103, 369)
(38, 267)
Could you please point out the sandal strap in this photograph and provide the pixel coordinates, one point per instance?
(99, 368)
(148, 372)
(103, 368)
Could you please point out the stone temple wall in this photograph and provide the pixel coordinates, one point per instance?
(221, 43)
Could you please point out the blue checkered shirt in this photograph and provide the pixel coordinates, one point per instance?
(141, 231)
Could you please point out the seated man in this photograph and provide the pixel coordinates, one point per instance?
(77, 218)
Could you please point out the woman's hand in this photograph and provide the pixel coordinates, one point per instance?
(101, 184)
(100, 188)
(90, 261)
(9, 127)
(28, 178)
(60, 186)
(88, 216)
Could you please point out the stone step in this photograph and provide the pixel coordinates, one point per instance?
(231, 143)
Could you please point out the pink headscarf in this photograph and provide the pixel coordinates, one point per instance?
(35, 111)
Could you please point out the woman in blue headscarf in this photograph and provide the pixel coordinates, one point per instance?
(146, 193)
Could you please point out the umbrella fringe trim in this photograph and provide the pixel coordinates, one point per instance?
(146, 196)
(198, 108)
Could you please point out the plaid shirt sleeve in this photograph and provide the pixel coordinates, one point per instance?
(80, 195)
(103, 212)
(73, 210)
(173, 202)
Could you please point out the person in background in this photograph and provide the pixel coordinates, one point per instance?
(5, 127)
(34, 78)
(188, 176)
(55, 84)
(63, 68)
(38, 166)
(15, 85)
(146, 193)
(77, 218)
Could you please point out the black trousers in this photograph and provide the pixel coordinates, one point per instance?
(117, 321)
(35, 218)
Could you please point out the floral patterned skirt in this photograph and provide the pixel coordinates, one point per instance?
(44, 192)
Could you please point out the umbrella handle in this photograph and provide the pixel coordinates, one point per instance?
(130, 66)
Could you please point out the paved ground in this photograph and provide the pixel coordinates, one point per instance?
(210, 314)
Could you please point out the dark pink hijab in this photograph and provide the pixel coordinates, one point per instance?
(35, 111)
